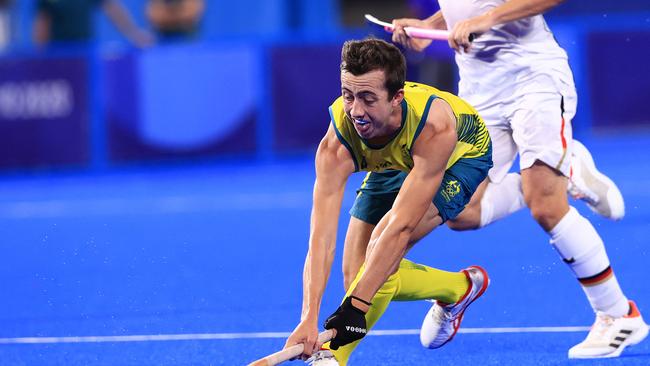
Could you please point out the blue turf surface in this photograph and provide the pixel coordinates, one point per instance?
(219, 249)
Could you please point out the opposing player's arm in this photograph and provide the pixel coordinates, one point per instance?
(507, 12)
(431, 153)
(518, 9)
(435, 21)
(334, 165)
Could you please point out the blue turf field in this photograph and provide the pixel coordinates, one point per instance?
(216, 251)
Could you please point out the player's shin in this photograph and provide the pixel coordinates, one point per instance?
(582, 249)
(411, 282)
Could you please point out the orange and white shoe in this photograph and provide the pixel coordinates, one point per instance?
(441, 323)
(609, 336)
(588, 184)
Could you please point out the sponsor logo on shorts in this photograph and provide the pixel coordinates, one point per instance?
(452, 188)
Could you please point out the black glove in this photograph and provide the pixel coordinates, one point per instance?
(349, 322)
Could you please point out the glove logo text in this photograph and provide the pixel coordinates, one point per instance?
(355, 329)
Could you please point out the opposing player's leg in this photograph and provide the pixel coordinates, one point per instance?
(588, 184)
(544, 147)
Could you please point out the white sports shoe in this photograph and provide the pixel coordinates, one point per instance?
(442, 321)
(323, 357)
(586, 183)
(609, 336)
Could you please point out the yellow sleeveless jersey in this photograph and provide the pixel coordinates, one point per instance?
(473, 138)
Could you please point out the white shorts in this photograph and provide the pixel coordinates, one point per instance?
(537, 125)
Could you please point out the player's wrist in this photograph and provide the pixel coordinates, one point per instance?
(490, 18)
(360, 304)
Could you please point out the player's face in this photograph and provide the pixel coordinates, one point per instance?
(367, 104)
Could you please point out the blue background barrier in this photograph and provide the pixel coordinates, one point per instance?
(258, 83)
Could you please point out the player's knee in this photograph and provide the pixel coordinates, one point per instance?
(547, 214)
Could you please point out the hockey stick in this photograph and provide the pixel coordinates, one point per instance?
(436, 34)
(290, 352)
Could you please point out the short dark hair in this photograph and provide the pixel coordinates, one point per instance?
(360, 57)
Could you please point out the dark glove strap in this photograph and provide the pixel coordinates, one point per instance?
(361, 300)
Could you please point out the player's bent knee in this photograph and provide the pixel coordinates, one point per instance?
(547, 214)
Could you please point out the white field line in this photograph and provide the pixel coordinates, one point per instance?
(281, 335)
(153, 205)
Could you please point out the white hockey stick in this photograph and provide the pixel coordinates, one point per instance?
(290, 352)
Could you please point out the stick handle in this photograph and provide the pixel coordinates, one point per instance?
(414, 32)
(290, 352)
(436, 34)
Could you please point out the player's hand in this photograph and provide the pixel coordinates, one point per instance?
(349, 323)
(459, 36)
(400, 36)
(306, 333)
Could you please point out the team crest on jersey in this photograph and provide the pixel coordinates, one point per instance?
(452, 188)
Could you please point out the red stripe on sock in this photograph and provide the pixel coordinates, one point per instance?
(597, 279)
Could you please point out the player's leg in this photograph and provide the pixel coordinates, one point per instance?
(354, 249)
(544, 138)
(374, 199)
(412, 281)
(586, 183)
(458, 185)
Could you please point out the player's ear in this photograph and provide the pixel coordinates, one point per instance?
(397, 98)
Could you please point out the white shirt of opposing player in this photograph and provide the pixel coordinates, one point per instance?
(509, 59)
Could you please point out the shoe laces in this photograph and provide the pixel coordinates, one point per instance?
(602, 327)
(442, 314)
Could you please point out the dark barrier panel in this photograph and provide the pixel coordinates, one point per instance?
(44, 118)
(182, 102)
(305, 81)
(618, 70)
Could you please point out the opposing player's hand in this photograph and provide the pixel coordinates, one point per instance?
(306, 333)
(349, 323)
(400, 36)
(459, 36)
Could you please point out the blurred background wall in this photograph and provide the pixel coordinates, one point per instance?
(253, 78)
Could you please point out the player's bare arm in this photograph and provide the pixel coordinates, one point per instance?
(436, 21)
(390, 239)
(333, 167)
(508, 12)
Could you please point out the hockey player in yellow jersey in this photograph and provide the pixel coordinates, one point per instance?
(426, 144)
